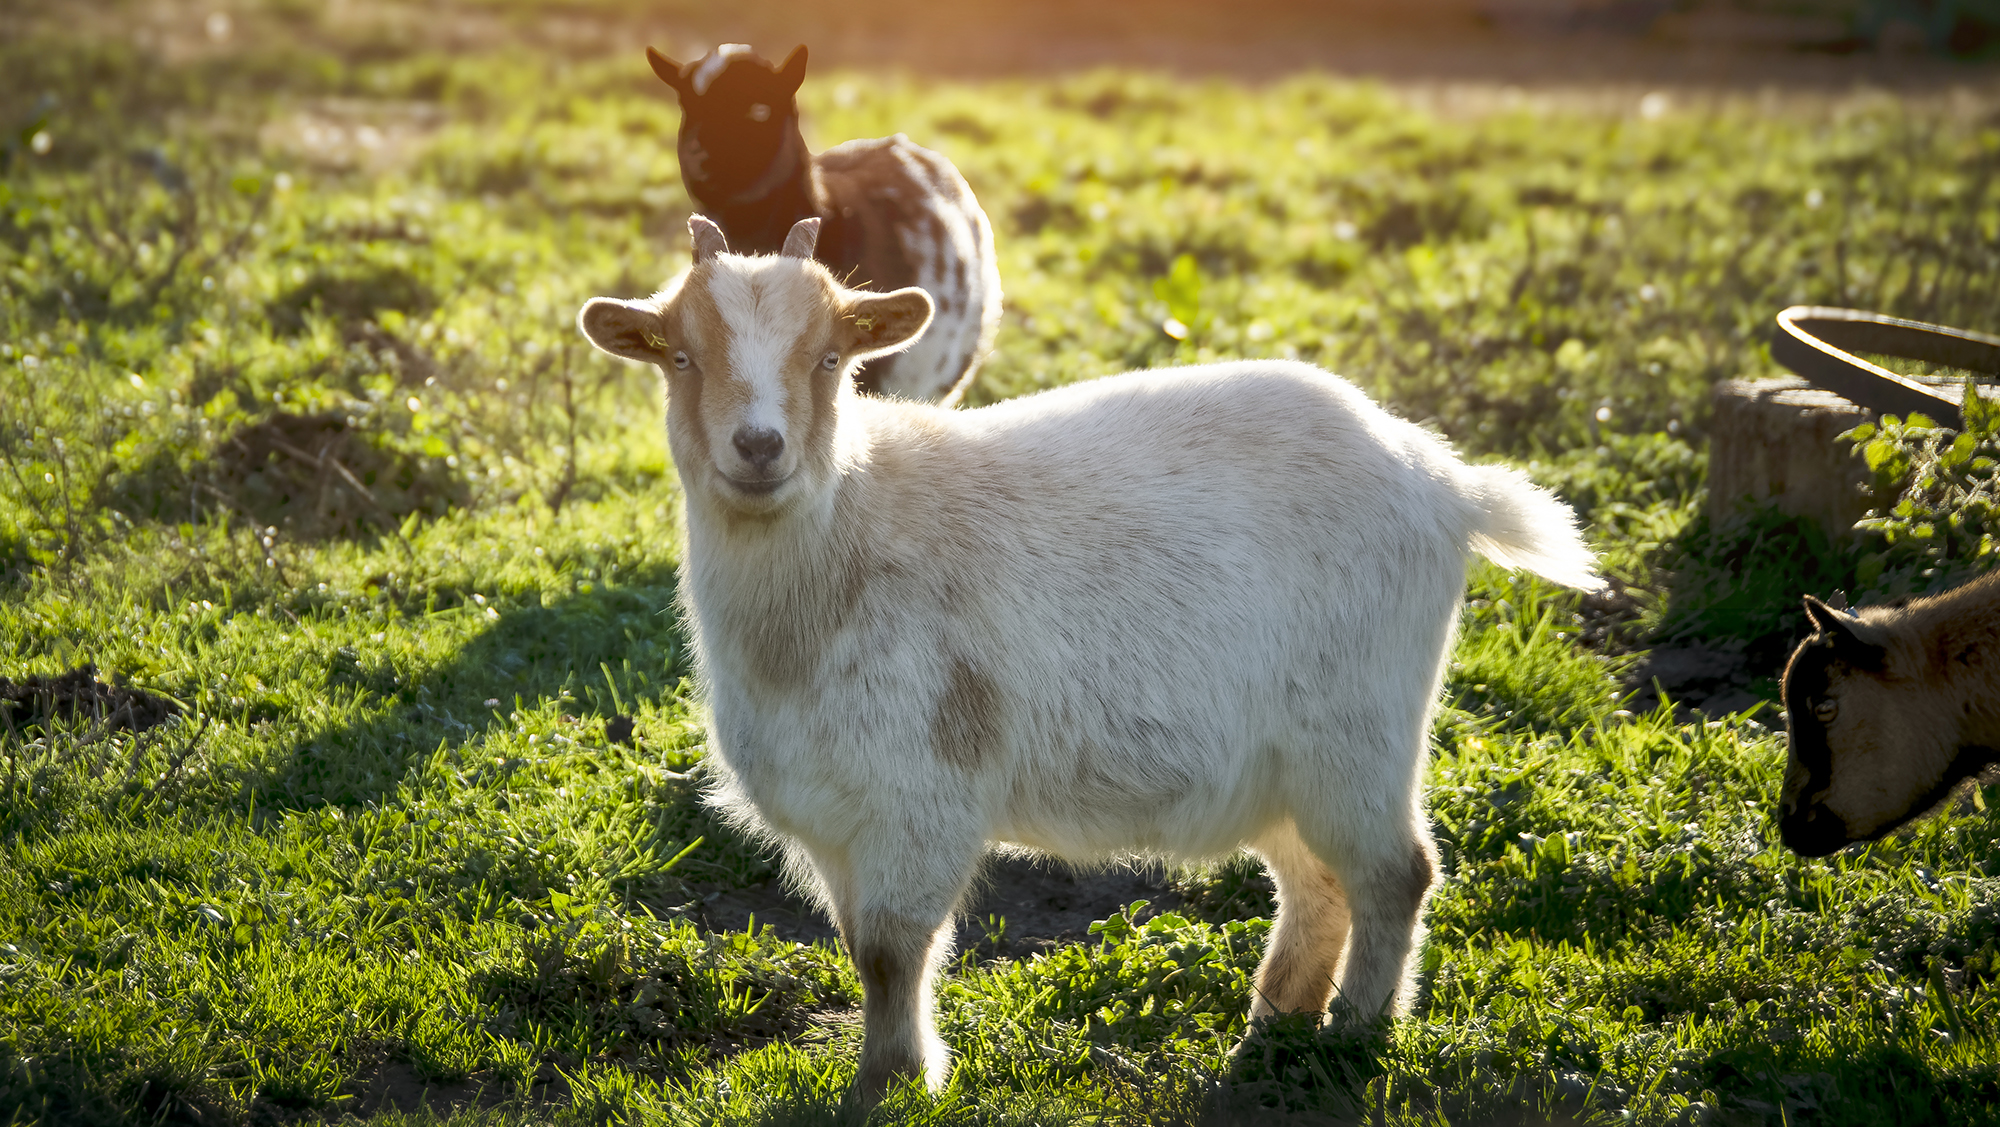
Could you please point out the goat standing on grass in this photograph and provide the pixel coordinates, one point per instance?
(1176, 613)
(1889, 710)
(895, 214)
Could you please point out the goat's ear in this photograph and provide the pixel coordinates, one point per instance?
(804, 237)
(1824, 618)
(668, 70)
(792, 72)
(1854, 641)
(632, 329)
(709, 240)
(886, 322)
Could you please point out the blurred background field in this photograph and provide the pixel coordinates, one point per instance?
(299, 448)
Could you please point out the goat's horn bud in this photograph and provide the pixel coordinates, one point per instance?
(803, 239)
(709, 240)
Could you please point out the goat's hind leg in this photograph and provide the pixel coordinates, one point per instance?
(1296, 975)
(1387, 882)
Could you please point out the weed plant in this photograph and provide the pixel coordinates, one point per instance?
(429, 797)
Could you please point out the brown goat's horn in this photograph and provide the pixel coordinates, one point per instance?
(668, 70)
(803, 239)
(709, 240)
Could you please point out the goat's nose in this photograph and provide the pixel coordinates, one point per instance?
(760, 446)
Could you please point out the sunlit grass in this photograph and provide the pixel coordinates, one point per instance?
(390, 825)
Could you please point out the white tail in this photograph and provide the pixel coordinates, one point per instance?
(1522, 525)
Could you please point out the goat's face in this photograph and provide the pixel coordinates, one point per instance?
(737, 112)
(1874, 735)
(757, 351)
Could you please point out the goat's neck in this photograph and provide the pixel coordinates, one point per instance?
(757, 217)
(751, 563)
(1964, 640)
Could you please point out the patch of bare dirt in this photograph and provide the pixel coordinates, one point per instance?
(320, 475)
(78, 695)
(1712, 679)
(1044, 905)
(396, 1087)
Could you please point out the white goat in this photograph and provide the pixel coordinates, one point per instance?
(1176, 613)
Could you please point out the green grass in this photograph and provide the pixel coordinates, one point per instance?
(389, 826)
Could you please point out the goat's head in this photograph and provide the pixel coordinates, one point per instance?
(738, 112)
(1875, 731)
(757, 352)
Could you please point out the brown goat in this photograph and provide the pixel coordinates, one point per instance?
(892, 213)
(1890, 709)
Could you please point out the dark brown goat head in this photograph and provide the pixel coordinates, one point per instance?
(1876, 704)
(738, 115)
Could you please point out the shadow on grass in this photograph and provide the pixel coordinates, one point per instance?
(532, 654)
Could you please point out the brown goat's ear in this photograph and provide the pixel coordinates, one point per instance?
(886, 322)
(792, 73)
(709, 240)
(1824, 618)
(668, 70)
(804, 237)
(632, 329)
(1852, 640)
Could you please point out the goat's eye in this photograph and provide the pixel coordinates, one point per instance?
(1826, 710)
(759, 112)
(831, 361)
(680, 360)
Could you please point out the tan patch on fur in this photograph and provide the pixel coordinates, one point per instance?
(965, 728)
(696, 327)
(1423, 873)
(892, 957)
(708, 339)
(1297, 973)
(786, 645)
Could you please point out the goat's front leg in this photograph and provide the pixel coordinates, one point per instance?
(896, 955)
(894, 912)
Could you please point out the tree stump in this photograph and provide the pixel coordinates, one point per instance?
(1772, 441)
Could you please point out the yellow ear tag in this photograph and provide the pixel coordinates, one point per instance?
(865, 324)
(656, 340)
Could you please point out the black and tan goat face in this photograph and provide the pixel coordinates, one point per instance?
(737, 112)
(1874, 735)
(756, 351)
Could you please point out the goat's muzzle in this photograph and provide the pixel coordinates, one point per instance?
(1812, 830)
(758, 446)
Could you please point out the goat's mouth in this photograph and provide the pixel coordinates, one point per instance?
(1814, 831)
(754, 487)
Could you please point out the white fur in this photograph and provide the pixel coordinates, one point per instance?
(711, 67)
(765, 320)
(1205, 609)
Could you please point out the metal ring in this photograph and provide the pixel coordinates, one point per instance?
(1813, 340)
